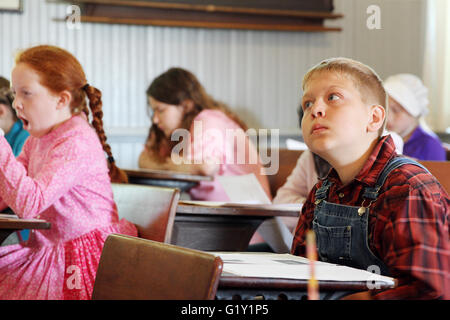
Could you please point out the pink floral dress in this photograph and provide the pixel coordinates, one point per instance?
(62, 178)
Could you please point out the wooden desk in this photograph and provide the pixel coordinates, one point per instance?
(223, 228)
(10, 223)
(163, 178)
(246, 288)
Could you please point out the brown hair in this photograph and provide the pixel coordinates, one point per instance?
(175, 86)
(4, 83)
(7, 98)
(59, 70)
(365, 79)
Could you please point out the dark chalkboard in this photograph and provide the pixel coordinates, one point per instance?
(301, 5)
(284, 15)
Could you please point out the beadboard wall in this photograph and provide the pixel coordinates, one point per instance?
(257, 73)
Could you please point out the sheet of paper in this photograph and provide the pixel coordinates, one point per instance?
(8, 216)
(292, 144)
(203, 203)
(287, 266)
(244, 188)
(277, 235)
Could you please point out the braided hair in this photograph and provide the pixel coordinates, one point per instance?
(59, 70)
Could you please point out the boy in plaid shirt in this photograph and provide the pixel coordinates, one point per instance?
(375, 208)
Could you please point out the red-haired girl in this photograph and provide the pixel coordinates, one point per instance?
(62, 176)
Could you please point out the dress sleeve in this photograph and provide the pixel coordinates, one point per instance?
(299, 182)
(28, 196)
(22, 158)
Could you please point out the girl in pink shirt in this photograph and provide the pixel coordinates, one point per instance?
(60, 176)
(213, 139)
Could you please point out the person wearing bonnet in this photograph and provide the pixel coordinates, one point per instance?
(408, 104)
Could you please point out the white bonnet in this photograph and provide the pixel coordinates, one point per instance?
(408, 90)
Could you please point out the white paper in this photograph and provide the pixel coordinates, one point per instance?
(292, 144)
(287, 266)
(277, 235)
(244, 188)
(8, 216)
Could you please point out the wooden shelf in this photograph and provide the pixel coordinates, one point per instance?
(182, 14)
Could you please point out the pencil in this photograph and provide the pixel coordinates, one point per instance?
(311, 252)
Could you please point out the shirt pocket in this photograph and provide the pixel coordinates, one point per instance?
(333, 243)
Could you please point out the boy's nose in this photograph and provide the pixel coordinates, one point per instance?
(318, 109)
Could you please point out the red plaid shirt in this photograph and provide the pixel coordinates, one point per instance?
(408, 224)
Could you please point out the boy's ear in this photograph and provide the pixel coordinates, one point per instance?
(377, 116)
(64, 99)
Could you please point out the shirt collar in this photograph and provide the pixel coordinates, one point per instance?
(383, 151)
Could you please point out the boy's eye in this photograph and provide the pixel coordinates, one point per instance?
(333, 97)
(307, 104)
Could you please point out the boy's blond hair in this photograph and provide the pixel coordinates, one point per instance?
(365, 79)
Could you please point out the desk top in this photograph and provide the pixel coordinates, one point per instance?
(165, 175)
(271, 271)
(12, 222)
(230, 281)
(231, 209)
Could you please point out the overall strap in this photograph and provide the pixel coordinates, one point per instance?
(322, 192)
(371, 193)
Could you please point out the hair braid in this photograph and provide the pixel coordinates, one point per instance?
(95, 104)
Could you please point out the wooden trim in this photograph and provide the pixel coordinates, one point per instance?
(234, 210)
(165, 175)
(19, 224)
(208, 25)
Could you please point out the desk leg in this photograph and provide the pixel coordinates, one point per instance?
(214, 233)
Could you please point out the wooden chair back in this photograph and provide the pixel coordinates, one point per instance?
(138, 269)
(287, 161)
(441, 170)
(151, 209)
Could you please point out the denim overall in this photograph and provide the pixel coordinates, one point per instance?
(342, 231)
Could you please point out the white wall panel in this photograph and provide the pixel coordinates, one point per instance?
(258, 73)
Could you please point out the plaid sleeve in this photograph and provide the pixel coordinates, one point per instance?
(416, 239)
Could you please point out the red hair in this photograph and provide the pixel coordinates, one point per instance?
(59, 70)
